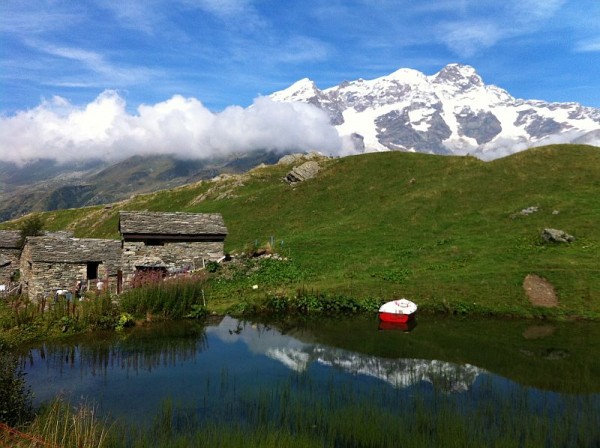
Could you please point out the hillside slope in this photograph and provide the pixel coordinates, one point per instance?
(46, 185)
(444, 231)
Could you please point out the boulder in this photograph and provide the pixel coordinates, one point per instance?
(556, 236)
(306, 171)
(290, 159)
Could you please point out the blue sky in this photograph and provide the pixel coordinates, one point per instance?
(109, 79)
(226, 52)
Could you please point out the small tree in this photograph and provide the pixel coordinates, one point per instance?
(32, 226)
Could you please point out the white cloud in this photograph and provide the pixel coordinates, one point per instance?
(590, 45)
(96, 63)
(103, 129)
(139, 15)
(300, 49)
(466, 38)
(483, 23)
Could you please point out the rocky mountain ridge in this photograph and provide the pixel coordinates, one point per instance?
(450, 112)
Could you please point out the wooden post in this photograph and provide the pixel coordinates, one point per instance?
(119, 281)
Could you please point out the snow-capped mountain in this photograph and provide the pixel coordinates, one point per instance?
(450, 112)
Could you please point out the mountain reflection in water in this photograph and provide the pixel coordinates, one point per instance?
(298, 356)
(130, 374)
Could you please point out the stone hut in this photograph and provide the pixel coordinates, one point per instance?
(9, 254)
(50, 263)
(170, 242)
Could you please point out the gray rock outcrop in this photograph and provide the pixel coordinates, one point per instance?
(556, 236)
(291, 159)
(306, 171)
(529, 210)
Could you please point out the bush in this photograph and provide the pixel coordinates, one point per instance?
(312, 303)
(212, 266)
(125, 320)
(15, 397)
(32, 226)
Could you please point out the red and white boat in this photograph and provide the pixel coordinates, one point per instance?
(398, 311)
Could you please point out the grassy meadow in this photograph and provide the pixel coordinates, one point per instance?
(446, 232)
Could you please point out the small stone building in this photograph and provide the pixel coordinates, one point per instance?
(50, 263)
(170, 242)
(9, 254)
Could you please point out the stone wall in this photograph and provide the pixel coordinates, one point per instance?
(44, 278)
(10, 249)
(174, 257)
(9, 263)
(48, 264)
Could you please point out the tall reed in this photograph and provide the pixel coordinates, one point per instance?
(168, 299)
(60, 425)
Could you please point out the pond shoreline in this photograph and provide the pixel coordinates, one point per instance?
(18, 336)
(446, 369)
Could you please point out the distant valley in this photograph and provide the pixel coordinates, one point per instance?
(46, 185)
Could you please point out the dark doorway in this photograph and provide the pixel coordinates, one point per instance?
(92, 270)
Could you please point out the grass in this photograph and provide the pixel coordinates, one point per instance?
(308, 409)
(172, 299)
(443, 231)
(299, 413)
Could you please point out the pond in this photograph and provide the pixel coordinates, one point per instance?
(483, 379)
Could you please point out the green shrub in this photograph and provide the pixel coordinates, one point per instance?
(197, 312)
(15, 397)
(212, 266)
(124, 320)
(31, 226)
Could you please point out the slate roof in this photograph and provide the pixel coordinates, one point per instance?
(72, 250)
(176, 223)
(9, 239)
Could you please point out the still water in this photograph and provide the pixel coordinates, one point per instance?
(209, 367)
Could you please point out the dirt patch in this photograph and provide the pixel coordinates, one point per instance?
(540, 291)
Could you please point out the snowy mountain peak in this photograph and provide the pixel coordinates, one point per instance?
(458, 74)
(299, 91)
(406, 76)
(450, 112)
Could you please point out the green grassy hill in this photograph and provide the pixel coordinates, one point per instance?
(446, 232)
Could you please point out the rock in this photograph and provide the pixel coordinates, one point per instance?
(540, 291)
(529, 210)
(557, 236)
(290, 159)
(306, 171)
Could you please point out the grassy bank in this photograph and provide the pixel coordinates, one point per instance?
(447, 232)
(296, 414)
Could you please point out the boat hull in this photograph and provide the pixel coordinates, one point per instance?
(397, 311)
(396, 318)
(404, 327)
